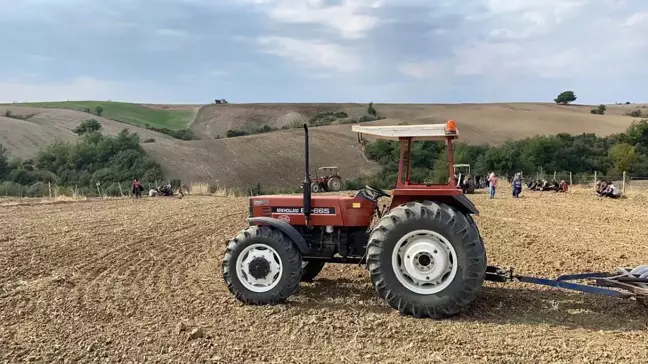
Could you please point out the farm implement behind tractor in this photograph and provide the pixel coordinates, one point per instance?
(425, 256)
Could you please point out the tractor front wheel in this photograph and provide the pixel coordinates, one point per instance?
(262, 266)
(311, 269)
(315, 187)
(426, 259)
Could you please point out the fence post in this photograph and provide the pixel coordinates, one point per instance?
(120, 190)
(571, 181)
(554, 176)
(623, 185)
(49, 188)
(595, 179)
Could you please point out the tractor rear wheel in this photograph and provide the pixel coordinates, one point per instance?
(334, 183)
(426, 259)
(262, 266)
(311, 269)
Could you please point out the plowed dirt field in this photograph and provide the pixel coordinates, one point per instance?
(128, 281)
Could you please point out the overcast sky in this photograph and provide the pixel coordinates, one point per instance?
(192, 51)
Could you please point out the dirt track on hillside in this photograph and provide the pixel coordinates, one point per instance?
(112, 280)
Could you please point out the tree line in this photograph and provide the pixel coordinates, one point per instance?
(93, 158)
(579, 154)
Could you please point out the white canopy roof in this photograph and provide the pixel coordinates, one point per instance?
(416, 132)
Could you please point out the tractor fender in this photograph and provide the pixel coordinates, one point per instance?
(464, 204)
(285, 228)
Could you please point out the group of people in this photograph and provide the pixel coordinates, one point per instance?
(603, 188)
(165, 190)
(607, 189)
(517, 181)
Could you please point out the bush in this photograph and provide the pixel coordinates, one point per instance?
(235, 133)
(87, 126)
(634, 113)
(326, 118)
(254, 130)
(600, 110)
(182, 134)
(148, 140)
(8, 188)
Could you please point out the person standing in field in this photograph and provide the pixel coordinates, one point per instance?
(517, 185)
(137, 188)
(492, 182)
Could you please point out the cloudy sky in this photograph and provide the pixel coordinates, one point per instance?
(192, 51)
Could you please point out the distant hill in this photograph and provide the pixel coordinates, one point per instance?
(160, 116)
(478, 123)
(275, 159)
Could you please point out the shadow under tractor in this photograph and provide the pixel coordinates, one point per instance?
(425, 255)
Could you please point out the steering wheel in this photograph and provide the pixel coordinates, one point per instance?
(376, 192)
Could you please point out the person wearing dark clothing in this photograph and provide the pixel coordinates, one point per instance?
(517, 185)
(137, 188)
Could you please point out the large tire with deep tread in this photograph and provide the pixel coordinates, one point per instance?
(288, 254)
(462, 233)
(334, 183)
(311, 269)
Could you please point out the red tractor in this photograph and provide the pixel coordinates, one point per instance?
(425, 255)
(328, 179)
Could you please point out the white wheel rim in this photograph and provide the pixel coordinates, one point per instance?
(336, 184)
(424, 262)
(259, 251)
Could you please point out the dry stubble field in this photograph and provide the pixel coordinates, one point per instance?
(112, 281)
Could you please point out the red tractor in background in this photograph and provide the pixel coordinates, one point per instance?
(328, 179)
(425, 255)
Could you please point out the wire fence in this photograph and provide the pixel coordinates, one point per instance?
(124, 189)
(623, 180)
(110, 189)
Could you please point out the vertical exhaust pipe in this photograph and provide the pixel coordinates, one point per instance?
(306, 184)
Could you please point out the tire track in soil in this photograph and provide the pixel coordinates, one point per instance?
(144, 269)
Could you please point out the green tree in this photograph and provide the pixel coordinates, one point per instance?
(4, 162)
(371, 110)
(88, 126)
(99, 110)
(623, 155)
(565, 97)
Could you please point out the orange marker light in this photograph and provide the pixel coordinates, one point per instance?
(451, 126)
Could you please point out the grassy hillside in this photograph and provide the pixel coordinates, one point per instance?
(31, 128)
(134, 114)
